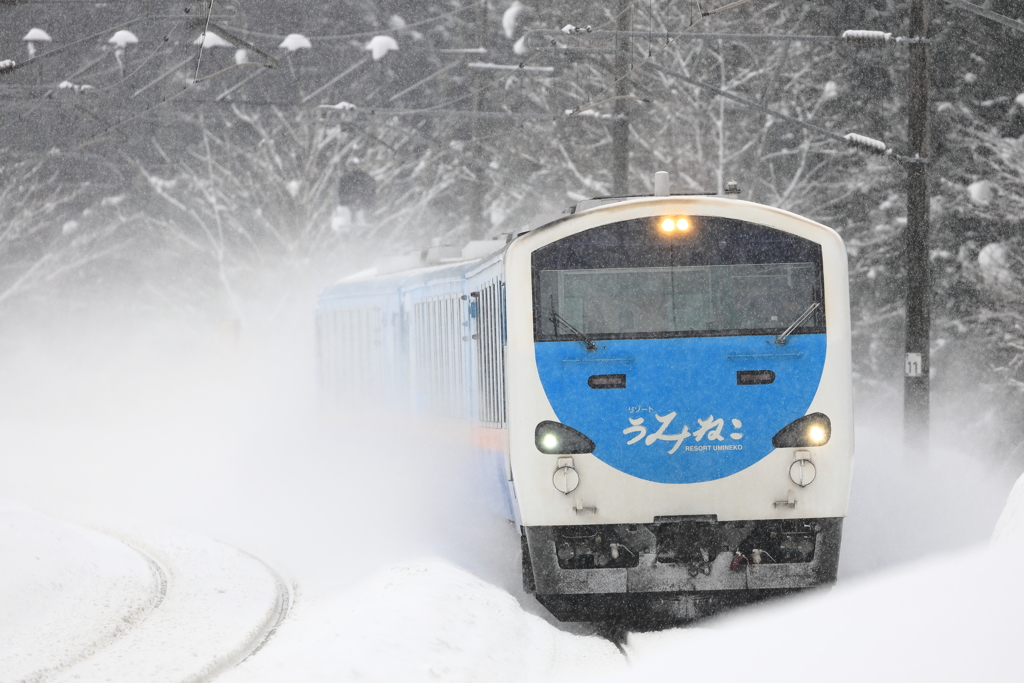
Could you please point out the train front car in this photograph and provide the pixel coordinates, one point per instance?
(679, 405)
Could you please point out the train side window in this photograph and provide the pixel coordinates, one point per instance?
(490, 322)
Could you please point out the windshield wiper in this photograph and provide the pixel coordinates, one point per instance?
(781, 339)
(556, 318)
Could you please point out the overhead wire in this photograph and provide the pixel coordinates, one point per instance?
(202, 42)
(491, 85)
(364, 34)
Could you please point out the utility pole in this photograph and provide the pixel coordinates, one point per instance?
(918, 283)
(620, 124)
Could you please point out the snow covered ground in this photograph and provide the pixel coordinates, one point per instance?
(149, 604)
(119, 470)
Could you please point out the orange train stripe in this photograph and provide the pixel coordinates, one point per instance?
(489, 438)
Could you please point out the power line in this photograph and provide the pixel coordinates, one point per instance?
(684, 34)
(852, 139)
(747, 103)
(455, 112)
(56, 51)
(364, 34)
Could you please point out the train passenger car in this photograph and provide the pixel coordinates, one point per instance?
(662, 383)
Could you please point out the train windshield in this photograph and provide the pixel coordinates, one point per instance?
(722, 277)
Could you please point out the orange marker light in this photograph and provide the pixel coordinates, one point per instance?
(668, 225)
(682, 224)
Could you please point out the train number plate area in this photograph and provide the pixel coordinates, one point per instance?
(754, 377)
(607, 382)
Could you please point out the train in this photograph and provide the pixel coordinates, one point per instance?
(661, 386)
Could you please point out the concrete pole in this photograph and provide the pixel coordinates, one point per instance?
(916, 387)
(620, 125)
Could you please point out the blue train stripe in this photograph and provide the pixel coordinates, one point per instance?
(682, 417)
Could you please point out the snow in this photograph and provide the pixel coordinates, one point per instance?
(593, 113)
(416, 579)
(520, 46)
(220, 604)
(864, 142)
(949, 617)
(340, 106)
(427, 620)
(511, 17)
(7, 65)
(379, 46)
(510, 67)
(210, 40)
(1009, 531)
(37, 35)
(994, 262)
(1019, 99)
(78, 587)
(981, 192)
(147, 604)
(241, 56)
(68, 85)
(295, 41)
(866, 36)
(123, 38)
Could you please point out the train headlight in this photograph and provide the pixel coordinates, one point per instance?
(557, 438)
(810, 430)
(672, 224)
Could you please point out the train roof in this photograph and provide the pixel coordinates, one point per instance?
(410, 270)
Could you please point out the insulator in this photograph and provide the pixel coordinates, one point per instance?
(868, 144)
(859, 36)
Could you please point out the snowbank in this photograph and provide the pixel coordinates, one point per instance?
(951, 617)
(944, 618)
(1009, 531)
(426, 621)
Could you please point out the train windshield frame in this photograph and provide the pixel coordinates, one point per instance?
(722, 277)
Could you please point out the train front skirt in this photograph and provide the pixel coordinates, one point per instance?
(675, 571)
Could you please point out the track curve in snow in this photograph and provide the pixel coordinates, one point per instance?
(145, 604)
(221, 605)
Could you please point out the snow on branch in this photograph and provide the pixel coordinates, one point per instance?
(511, 17)
(511, 67)
(295, 41)
(379, 46)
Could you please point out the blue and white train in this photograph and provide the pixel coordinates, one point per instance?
(663, 384)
